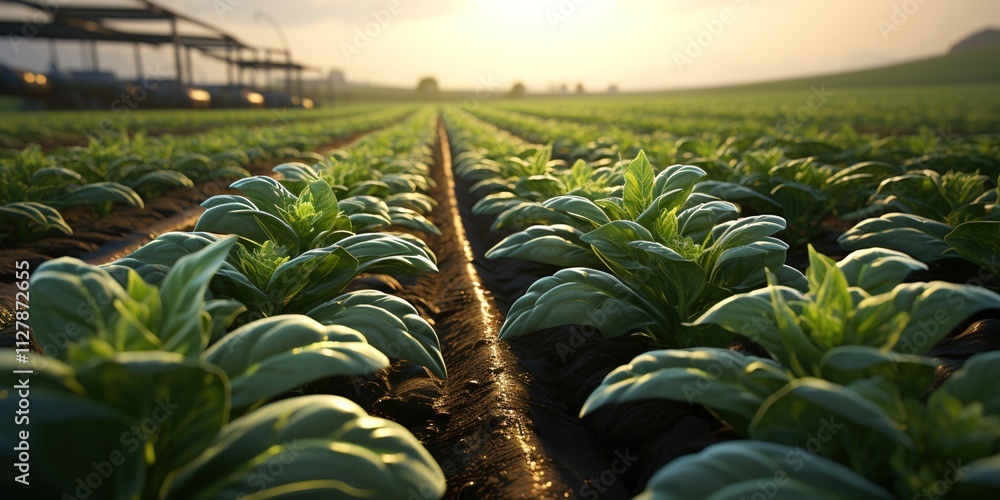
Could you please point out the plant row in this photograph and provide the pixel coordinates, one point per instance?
(193, 364)
(36, 187)
(841, 404)
(73, 127)
(924, 195)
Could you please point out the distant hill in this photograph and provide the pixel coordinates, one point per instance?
(988, 39)
(967, 66)
(974, 60)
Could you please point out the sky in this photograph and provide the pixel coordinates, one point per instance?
(632, 44)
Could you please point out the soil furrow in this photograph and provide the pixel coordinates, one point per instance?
(494, 433)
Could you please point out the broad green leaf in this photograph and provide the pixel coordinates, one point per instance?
(751, 315)
(739, 232)
(979, 243)
(42, 216)
(737, 193)
(878, 270)
(730, 384)
(528, 213)
(324, 202)
(389, 324)
(369, 188)
(743, 268)
(311, 279)
(920, 238)
(100, 193)
(183, 296)
(404, 217)
(577, 296)
(935, 309)
(979, 479)
(975, 382)
(254, 225)
(60, 412)
(750, 469)
(677, 177)
(274, 355)
(184, 401)
(844, 364)
(418, 202)
(168, 248)
(266, 193)
(396, 254)
(326, 446)
(797, 412)
(639, 183)
(297, 172)
(162, 179)
(223, 313)
(557, 244)
(612, 243)
(496, 203)
(697, 222)
(580, 209)
(73, 302)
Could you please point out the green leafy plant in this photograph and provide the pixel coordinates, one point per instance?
(670, 259)
(952, 198)
(312, 284)
(158, 424)
(107, 317)
(581, 179)
(31, 220)
(136, 357)
(850, 350)
(948, 216)
(742, 469)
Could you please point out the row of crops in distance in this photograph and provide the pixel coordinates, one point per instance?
(75, 127)
(36, 187)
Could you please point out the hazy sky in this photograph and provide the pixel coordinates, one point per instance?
(636, 44)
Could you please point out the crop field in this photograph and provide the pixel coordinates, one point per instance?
(713, 294)
(499, 249)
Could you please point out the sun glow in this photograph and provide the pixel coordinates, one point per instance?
(512, 11)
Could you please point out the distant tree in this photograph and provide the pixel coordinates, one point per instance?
(518, 90)
(579, 88)
(613, 89)
(563, 89)
(428, 86)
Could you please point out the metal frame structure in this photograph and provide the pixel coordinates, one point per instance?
(89, 23)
